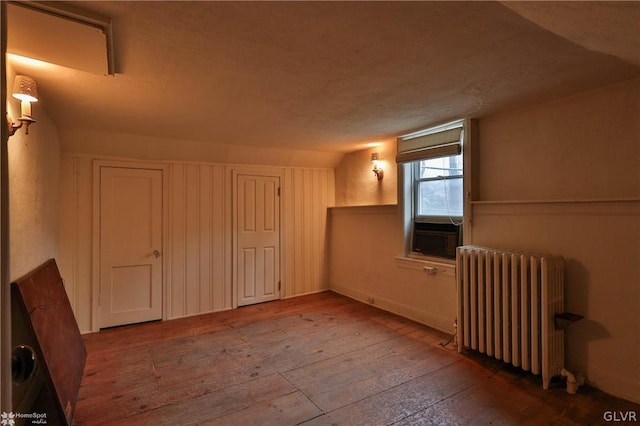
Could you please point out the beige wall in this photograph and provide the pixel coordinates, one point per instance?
(578, 148)
(198, 266)
(365, 264)
(34, 167)
(582, 155)
(561, 178)
(356, 185)
(34, 162)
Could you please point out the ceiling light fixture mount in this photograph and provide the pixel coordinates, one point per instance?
(25, 90)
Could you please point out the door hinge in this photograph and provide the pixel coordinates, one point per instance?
(279, 285)
(278, 191)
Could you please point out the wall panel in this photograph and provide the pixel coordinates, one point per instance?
(197, 258)
(192, 238)
(220, 237)
(176, 277)
(75, 235)
(205, 259)
(307, 195)
(198, 243)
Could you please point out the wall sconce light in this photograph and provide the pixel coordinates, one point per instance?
(24, 89)
(377, 169)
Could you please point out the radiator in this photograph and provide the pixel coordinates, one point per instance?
(506, 307)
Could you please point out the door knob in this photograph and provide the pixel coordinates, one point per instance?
(156, 254)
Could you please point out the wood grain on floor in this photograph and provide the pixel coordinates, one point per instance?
(321, 359)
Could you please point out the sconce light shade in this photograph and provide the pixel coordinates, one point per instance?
(377, 170)
(25, 89)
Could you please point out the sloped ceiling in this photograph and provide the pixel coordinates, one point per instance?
(334, 76)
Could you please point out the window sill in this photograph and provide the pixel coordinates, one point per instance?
(428, 265)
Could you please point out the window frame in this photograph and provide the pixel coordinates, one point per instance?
(408, 195)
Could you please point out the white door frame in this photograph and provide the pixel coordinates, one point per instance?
(253, 171)
(95, 237)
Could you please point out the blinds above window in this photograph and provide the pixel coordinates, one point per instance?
(437, 142)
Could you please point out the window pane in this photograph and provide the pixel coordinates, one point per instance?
(443, 166)
(440, 198)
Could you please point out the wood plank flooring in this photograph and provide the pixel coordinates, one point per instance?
(321, 359)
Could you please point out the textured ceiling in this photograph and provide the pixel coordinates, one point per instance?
(333, 76)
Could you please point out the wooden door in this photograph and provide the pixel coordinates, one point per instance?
(130, 245)
(257, 228)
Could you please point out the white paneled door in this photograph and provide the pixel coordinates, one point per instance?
(130, 245)
(257, 228)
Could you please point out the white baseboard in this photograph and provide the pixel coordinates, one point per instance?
(442, 324)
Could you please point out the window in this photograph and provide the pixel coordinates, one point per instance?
(438, 187)
(433, 165)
